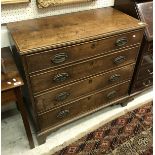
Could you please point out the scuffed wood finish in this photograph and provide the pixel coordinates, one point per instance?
(57, 31)
(69, 60)
(45, 80)
(45, 59)
(86, 104)
(49, 99)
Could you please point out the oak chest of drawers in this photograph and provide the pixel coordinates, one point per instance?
(142, 10)
(75, 64)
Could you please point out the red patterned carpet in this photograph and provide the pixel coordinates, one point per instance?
(130, 134)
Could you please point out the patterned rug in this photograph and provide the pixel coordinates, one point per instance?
(130, 134)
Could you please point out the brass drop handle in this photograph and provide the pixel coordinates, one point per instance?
(119, 59)
(146, 83)
(62, 96)
(150, 72)
(121, 41)
(114, 78)
(61, 77)
(62, 114)
(59, 58)
(112, 94)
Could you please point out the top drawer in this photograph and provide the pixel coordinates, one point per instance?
(54, 58)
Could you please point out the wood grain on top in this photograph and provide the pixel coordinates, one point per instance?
(47, 32)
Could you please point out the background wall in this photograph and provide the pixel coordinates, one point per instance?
(18, 12)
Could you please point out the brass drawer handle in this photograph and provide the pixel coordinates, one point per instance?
(147, 83)
(61, 77)
(62, 114)
(114, 77)
(121, 41)
(62, 96)
(59, 58)
(112, 94)
(119, 59)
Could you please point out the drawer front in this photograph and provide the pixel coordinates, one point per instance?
(41, 82)
(145, 72)
(81, 106)
(139, 85)
(65, 94)
(55, 58)
(147, 59)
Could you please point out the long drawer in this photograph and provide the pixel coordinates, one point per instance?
(54, 78)
(57, 57)
(81, 106)
(64, 94)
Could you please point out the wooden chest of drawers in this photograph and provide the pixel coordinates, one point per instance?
(75, 64)
(143, 74)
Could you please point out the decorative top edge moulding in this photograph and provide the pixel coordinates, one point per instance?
(14, 1)
(47, 3)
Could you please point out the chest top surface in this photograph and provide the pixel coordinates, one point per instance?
(47, 32)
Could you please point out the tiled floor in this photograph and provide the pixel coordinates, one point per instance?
(14, 141)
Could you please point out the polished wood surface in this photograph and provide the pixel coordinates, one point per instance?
(86, 104)
(47, 59)
(56, 31)
(11, 83)
(45, 80)
(67, 61)
(69, 92)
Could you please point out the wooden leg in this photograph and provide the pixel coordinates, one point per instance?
(41, 139)
(24, 115)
